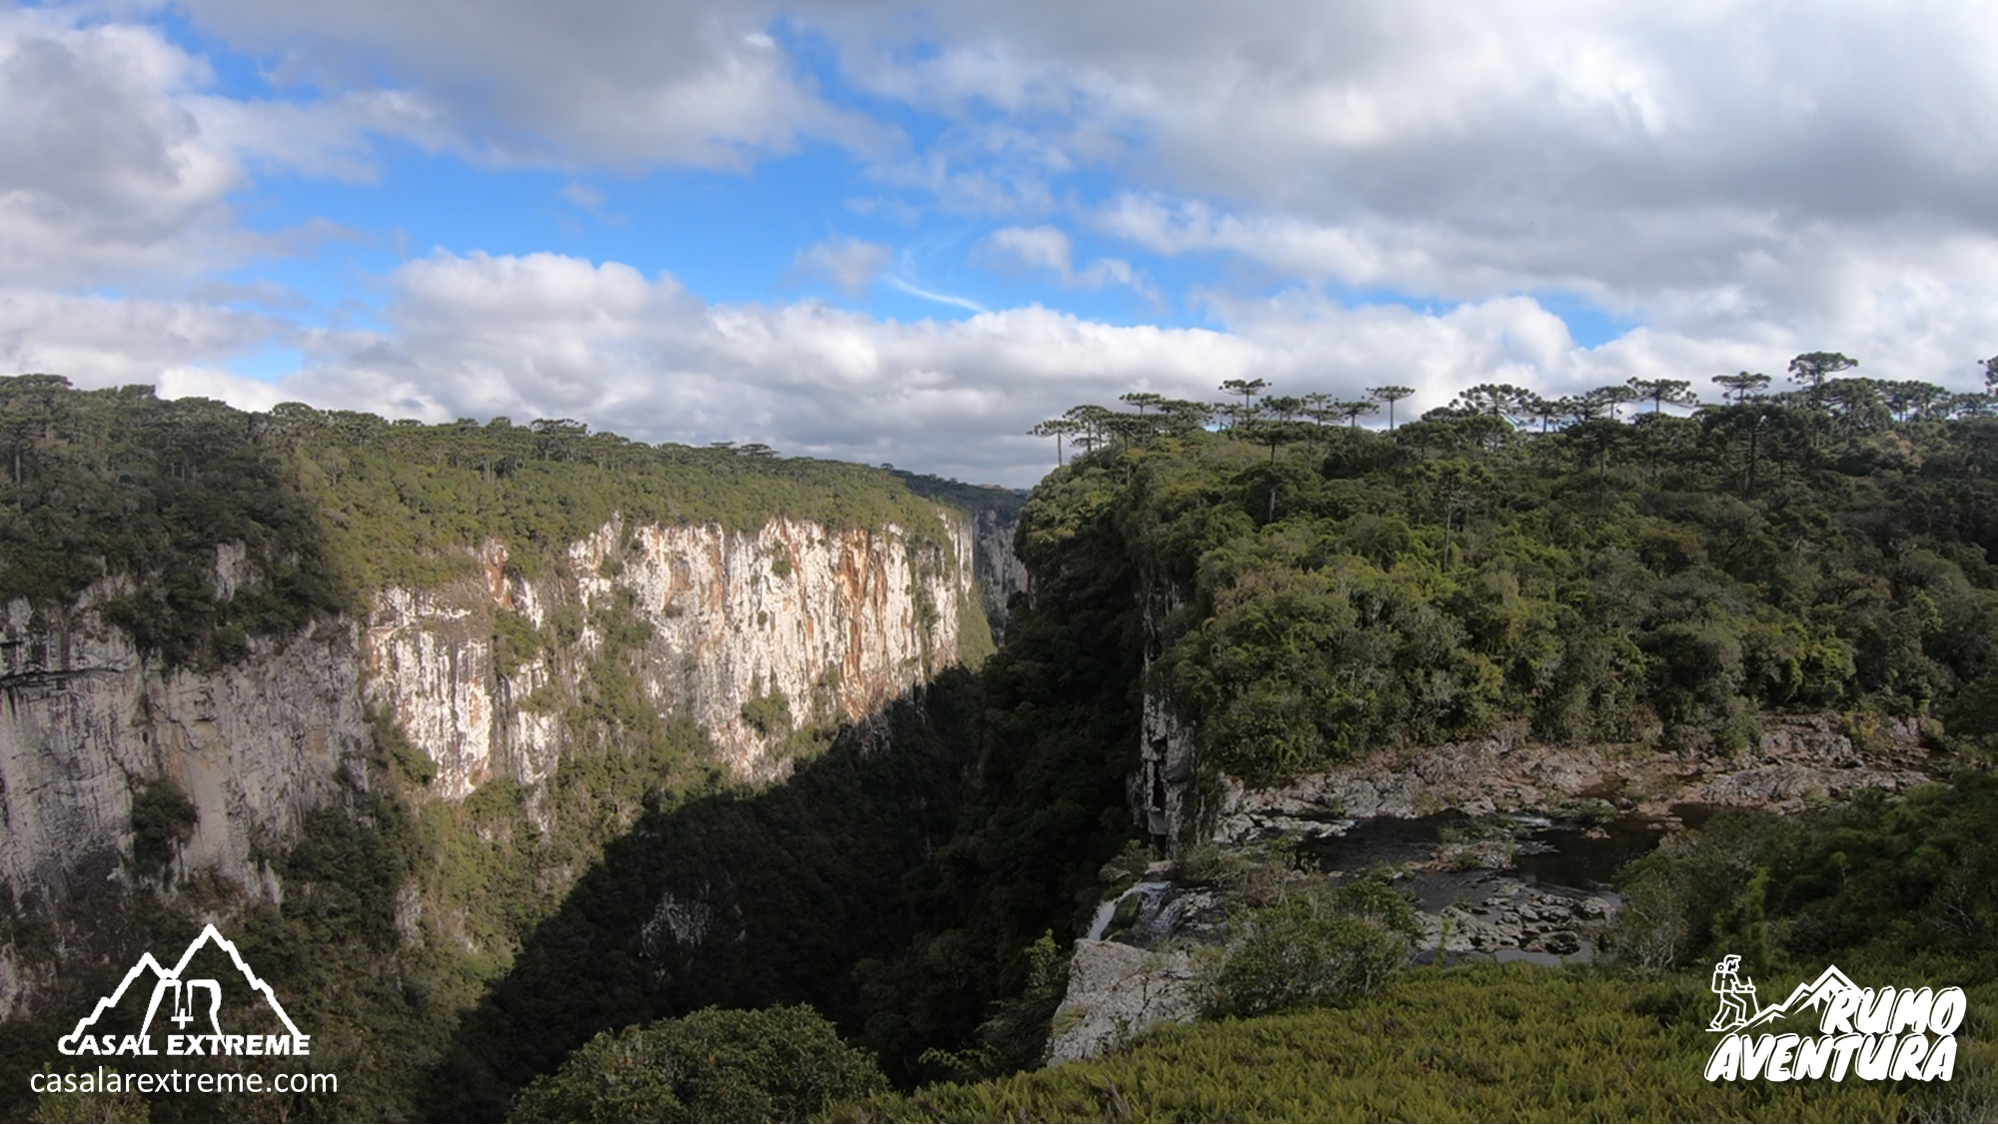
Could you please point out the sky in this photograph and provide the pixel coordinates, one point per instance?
(905, 233)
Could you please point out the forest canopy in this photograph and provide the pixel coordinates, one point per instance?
(1666, 577)
(330, 505)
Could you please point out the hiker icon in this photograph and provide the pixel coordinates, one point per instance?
(1736, 992)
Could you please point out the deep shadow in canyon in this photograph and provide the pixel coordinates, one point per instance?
(892, 883)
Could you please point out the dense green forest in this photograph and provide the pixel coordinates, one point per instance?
(1664, 579)
(1622, 567)
(333, 505)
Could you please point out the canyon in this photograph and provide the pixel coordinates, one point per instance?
(750, 636)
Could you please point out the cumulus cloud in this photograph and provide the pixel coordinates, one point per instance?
(545, 335)
(1048, 248)
(1645, 158)
(1632, 155)
(101, 169)
(624, 84)
(108, 342)
(329, 138)
(847, 262)
(117, 163)
(1039, 248)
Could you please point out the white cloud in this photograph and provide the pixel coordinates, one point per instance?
(102, 171)
(545, 335)
(551, 336)
(1645, 158)
(1039, 248)
(628, 85)
(108, 342)
(548, 336)
(847, 262)
(116, 164)
(207, 382)
(583, 195)
(1048, 248)
(1639, 156)
(332, 138)
(950, 299)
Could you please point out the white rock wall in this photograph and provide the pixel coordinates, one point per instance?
(859, 618)
(84, 719)
(838, 622)
(854, 619)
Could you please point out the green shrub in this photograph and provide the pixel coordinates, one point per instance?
(163, 821)
(1906, 875)
(515, 642)
(1314, 948)
(1478, 1043)
(125, 1106)
(1254, 875)
(769, 714)
(780, 1064)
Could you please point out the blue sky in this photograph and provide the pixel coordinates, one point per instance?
(733, 235)
(906, 232)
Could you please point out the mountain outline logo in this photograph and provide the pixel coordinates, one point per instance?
(197, 1030)
(1738, 1010)
(1876, 1034)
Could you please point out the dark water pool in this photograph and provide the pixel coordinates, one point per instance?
(1553, 852)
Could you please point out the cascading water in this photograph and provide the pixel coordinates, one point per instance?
(1107, 910)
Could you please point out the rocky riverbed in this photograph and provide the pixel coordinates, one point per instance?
(1795, 761)
(1140, 963)
(1507, 848)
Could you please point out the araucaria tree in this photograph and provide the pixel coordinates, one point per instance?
(1389, 395)
(1248, 389)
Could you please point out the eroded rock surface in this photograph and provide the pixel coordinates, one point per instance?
(747, 634)
(1118, 991)
(1798, 760)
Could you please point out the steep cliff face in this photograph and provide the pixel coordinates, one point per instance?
(83, 717)
(1160, 791)
(86, 722)
(1000, 572)
(748, 635)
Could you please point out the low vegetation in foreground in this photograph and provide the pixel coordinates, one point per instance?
(1478, 1043)
(1895, 891)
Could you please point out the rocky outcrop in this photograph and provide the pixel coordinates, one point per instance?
(1456, 840)
(1509, 916)
(1117, 992)
(87, 723)
(999, 571)
(1160, 794)
(1796, 761)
